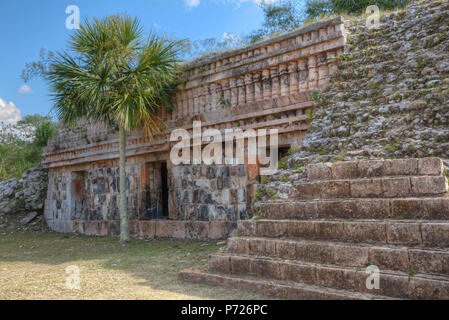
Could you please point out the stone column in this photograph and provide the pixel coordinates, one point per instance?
(258, 88)
(275, 85)
(226, 93)
(266, 80)
(208, 93)
(241, 91)
(196, 101)
(185, 105)
(323, 71)
(303, 75)
(234, 91)
(214, 96)
(331, 62)
(313, 73)
(249, 88)
(285, 84)
(202, 99)
(294, 77)
(190, 101)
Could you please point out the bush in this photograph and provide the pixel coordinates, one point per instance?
(44, 132)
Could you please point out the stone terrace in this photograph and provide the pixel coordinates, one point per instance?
(347, 216)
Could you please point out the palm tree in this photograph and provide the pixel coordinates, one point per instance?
(118, 77)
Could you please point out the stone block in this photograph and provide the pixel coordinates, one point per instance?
(147, 229)
(371, 168)
(429, 185)
(320, 171)
(238, 245)
(436, 234)
(411, 208)
(297, 272)
(388, 258)
(333, 189)
(401, 167)
(239, 265)
(348, 255)
(92, 228)
(336, 209)
(366, 188)
(197, 230)
(365, 231)
(305, 191)
(345, 170)
(396, 187)
(372, 208)
(220, 263)
(171, 229)
(221, 229)
(271, 228)
(404, 233)
(246, 227)
(429, 261)
(431, 289)
(258, 246)
(264, 268)
(286, 249)
(328, 230)
(430, 166)
(301, 229)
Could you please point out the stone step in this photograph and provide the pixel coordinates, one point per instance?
(420, 260)
(392, 283)
(397, 208)
(396, 232)
(273, 288)
(375, 168)
(389, 187)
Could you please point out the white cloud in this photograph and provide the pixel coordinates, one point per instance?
(24, 89)
(192, 3)
(9, 113)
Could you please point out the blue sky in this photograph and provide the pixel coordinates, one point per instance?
(26, 26)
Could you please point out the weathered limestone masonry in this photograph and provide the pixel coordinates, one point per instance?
(266, 85)
(320, 225)
(347, 217)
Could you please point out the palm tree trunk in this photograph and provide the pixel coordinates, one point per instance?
(124, 232)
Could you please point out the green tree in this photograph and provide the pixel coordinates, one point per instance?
(44, 132)
(117, 76)
(279, 17)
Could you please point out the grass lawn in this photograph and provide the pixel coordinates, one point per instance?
(33, 264)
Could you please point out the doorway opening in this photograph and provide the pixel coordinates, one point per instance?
(77, 195)
(157, 191)
(164, 189)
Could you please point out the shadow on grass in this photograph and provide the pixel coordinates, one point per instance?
(155, 263)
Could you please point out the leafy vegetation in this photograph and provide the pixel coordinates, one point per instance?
(116, 75)
(16, 155)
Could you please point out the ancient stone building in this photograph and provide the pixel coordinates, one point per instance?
(265, 85)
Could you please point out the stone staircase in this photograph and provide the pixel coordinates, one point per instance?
(344, 218)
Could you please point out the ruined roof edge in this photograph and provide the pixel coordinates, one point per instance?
(188, 65)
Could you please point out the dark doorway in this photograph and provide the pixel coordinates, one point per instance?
(164, 189)
(77, 195)
(156, 191)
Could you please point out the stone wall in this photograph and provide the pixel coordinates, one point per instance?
(263, 86)
(23, 195)
(211, 193)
